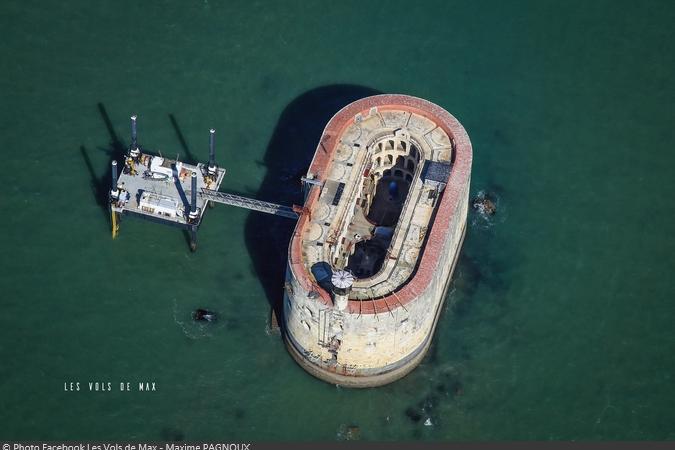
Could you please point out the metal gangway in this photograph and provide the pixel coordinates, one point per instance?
(249, 203)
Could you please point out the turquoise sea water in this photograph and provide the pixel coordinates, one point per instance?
(559, 324)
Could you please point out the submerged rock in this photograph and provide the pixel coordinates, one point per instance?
(484, 204)
(353, 433)
(349, 433)
(204, 315)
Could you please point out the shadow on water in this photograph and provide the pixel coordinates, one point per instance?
(100, 185)
(287, 158)
(116, 148)
(189, 156)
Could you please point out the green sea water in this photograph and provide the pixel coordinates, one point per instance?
(559, 322)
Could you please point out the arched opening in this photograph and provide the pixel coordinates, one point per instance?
(386, 194)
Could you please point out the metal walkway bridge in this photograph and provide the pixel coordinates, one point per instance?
(249, 203)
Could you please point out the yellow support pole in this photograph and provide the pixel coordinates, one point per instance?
(115, 225)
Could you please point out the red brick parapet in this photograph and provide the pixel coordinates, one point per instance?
(459, 178)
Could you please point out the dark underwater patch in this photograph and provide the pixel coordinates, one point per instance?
(239, 413)
(447, 388)
(502, 138)
(413, 413)
(172, 434)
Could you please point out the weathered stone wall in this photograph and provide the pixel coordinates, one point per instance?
(371, 344)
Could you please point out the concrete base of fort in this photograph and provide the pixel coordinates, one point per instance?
(391, 375)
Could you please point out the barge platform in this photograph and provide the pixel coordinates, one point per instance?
(163, 190)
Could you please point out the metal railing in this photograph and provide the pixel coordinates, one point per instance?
(249, 203)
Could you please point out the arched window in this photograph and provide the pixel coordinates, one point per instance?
(390, 159)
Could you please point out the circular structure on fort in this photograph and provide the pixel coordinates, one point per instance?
(342, 279)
